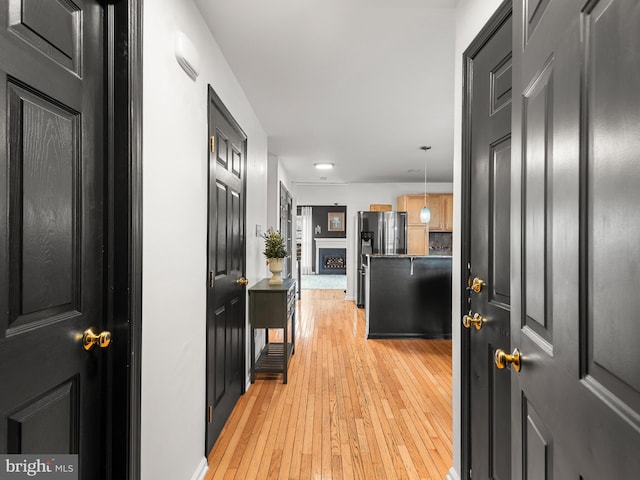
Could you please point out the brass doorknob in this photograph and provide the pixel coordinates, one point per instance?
(91, 339)
(477, 285)
(477, 320)
(242, 281)
(503, 359)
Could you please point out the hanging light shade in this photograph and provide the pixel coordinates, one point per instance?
(425, 213)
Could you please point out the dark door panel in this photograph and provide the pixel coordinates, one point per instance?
(225, 296)
(576, 400)
(43, 424)
(44, 164)
(52, 242)
(488, 107)
(613, 141)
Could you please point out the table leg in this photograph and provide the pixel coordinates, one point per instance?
(293, 333)
(252, 374)
(285, 354)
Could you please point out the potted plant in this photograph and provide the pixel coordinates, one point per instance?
(275, 251)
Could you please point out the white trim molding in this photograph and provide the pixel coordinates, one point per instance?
(201, 471)
(452, 475)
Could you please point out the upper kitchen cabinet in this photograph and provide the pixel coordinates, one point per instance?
(447, 212)
(440, 204)
(412, 204)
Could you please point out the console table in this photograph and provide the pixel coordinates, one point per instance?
(272, 306)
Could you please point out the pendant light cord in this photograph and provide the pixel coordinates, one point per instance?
(425, 148)
(425, 181)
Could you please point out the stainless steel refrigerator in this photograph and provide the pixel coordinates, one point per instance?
(379, 233)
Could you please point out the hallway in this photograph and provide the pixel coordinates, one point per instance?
(353, 408)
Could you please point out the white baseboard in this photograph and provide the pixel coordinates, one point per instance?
(452, 475)
(201, 471)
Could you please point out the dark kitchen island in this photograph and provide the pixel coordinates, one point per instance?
(408, 296)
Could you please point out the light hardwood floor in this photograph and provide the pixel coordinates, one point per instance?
(353, 408)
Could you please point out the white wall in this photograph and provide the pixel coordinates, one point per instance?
(357, 197)
(283, 176)
(273, 194)
(471, 16)
(276, 174)
(174, 233)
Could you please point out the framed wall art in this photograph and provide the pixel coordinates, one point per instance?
(335, 221)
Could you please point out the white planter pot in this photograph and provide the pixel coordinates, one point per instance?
(275, 266)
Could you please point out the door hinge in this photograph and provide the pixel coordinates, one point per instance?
(212, 144)
(210, 413)
(211, 279)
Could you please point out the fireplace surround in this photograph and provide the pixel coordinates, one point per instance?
(335, 252)
(332, 261)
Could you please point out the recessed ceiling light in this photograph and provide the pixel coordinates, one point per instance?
(324, 165)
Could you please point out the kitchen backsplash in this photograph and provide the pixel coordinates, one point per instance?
(440, 243)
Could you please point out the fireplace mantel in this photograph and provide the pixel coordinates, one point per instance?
(328, 243)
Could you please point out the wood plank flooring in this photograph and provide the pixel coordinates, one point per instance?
(353, 408)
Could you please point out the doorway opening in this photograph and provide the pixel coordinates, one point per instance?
(321, 247)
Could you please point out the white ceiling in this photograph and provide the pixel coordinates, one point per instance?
(361, 83)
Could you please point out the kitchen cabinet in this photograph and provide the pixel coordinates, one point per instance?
(447, 213)
(441, 206)
(412, 204)
(417, 232)
(434, 202)
(417, 239)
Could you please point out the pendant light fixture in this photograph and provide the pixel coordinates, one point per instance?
(425, 213)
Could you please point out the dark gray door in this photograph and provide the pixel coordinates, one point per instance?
(286, 228)
(51, 234)
(488, 104)
(575, 229)
(226, 291)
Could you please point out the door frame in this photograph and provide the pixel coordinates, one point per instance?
(123, 235)
(489, 29)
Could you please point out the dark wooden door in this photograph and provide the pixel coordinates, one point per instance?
(488, 106)
(51, 234)
(226, 292)
(575, 228)
(286, 228)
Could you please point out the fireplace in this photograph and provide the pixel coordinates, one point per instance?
(338, 244)
(332, 261)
